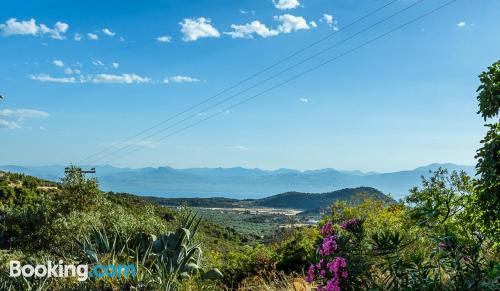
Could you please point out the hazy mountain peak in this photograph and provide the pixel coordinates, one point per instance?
(240, 182)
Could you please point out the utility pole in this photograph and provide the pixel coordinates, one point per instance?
(68, 170)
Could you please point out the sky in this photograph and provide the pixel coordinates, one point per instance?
(79, 77)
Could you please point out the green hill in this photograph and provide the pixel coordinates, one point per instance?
(309, 201)
(291, 200)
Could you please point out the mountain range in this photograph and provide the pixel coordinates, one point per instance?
(238, 182)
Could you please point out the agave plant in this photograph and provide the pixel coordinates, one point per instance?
(160, 261)
(176, 255)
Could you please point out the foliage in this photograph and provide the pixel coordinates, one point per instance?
(299, 200)
(160, 262)
(442, 197)
(273, 281)
(428, 243)
(489, 92)
(296, 249)
(485, 204)
(245, 262)
(110, 228)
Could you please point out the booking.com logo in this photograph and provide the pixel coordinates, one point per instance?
(82, 272)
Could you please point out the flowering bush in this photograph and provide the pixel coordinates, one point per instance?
(351, 225)
(330, 273)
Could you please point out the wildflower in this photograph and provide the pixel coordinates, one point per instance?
(350, 224)
(328, 246)
(320, 264)
(342, 262)
(332, 285)
(344, 274)
(310, 274)
(327, 229)
(336, 264)
(333, 266)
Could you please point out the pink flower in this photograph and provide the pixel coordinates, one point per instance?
(310, 274)
(332, 285)
(335, 265)
(320, 264)
(342, 262)
(327, 229)
(328, 246)
(350, 224)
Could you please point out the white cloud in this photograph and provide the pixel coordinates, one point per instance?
(9, 124)
(164, 38)
(21, 114)
(14, 27)
(291, 23)
(286, 4)
(58, 63)
(194, 29)
(138, 143)
(313, 24)
(180, 79)
(462, 24)
(30, 27)
(108, 32)
(328, 19)
(247, 30)
(67, 70)
(305, 100)
(98, 78)
(59, 28)
(115, 65)
(109, 78)
(92, 36)
(237, 148)
(244, 12)
(71, 71)
(77, 37)
(12, 119)
(48, 78)
(98, 63)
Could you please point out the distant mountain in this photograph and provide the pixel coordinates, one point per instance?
(294, 200)
(240, 182)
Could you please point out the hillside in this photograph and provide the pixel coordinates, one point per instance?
(294, 200)
(239, 182)
(308, 201)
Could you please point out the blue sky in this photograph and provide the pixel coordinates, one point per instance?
(80, 76)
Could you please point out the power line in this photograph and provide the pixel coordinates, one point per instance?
(260, 83)
(244, 80)
(295, 77)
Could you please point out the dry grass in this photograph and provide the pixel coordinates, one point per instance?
(275, 281)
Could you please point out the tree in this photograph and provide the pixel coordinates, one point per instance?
(80, 193)
(487, 186)
(441, 198)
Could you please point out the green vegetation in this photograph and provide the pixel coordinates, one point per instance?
(252, 227)
(426, 243)
(487, 199)
(293, 200)
(308, 201)
(75, 222)
(443, 236)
